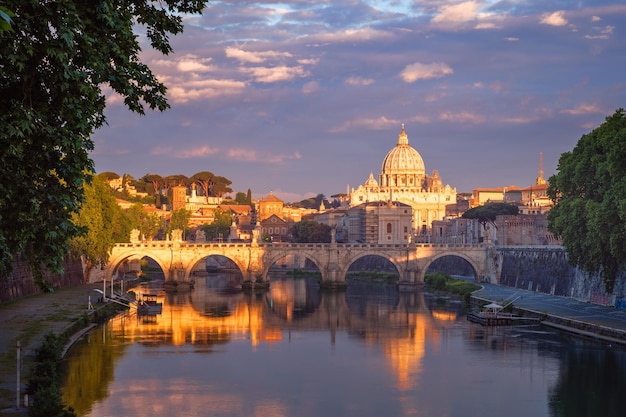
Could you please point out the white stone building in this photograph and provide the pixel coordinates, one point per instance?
(376, 222)
(403, 179)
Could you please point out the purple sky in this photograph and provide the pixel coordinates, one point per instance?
(307, 97)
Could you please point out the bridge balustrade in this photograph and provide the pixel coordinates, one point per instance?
(333, 259)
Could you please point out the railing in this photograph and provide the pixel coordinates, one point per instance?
(168, 244)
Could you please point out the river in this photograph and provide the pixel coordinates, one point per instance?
(368, 351)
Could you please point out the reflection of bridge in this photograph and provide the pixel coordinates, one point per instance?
(178, 259)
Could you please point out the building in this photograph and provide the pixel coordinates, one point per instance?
(178, 195)
(275, 228)
(403, 179)
(379, 222)
(269, 206)
(457, 231)
(524, 230)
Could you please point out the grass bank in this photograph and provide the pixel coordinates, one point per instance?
(442, 282)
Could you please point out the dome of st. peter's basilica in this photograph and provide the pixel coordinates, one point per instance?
(403, 179)
(403, 165)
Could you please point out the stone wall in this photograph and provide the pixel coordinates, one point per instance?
(21, 282)
(546, 269)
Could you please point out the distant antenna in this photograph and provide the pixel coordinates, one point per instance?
(540, 179)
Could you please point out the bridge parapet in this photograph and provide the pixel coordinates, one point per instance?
(179, 258)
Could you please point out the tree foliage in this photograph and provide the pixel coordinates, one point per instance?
(56, 60)
(220, 227)
(211, 184)
(308, 231)
(487, 213)
(104, 224)
(178, 221)
(589, 192)
(312, 202)
(148, 224)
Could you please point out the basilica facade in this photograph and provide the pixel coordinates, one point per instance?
(403, 179)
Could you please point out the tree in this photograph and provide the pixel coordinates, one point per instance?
(249, 198)
(487, 213)
(157, 183)
(589, 192)
(109, 175)
(221, 186)
(220, 227)
(102, 221)
(308, 231)
(56, 61)
(205, 180)
(312, 202)
(148, 224)
(240, 198)
(178, 221)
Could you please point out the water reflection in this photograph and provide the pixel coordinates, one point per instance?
(294, 350)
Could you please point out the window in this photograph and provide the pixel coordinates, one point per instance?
(388, 227)
(406, 229)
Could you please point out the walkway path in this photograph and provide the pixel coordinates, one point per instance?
(27, 320)
(566, 313)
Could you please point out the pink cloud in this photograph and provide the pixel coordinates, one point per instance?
(419, 71)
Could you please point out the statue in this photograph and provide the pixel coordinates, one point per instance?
(177, 235)
(134, 236)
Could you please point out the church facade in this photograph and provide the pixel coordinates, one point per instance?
(403, 179)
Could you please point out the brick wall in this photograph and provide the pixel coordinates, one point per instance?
(21, 282)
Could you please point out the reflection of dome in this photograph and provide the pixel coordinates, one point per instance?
(403, 165)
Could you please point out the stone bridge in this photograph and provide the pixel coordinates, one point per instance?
(178, 259)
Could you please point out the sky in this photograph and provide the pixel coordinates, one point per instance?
(300, 98)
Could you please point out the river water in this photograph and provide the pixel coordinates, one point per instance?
(368, 351)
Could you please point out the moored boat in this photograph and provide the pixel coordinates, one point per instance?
(149, 305)
(492, 314)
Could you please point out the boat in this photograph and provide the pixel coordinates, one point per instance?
(493, 314)
(149, 305)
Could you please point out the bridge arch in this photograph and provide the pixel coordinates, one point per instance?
(452, 253)
(116, 262)
(193, 262)
(352, 259)
(178, 259)
(272, 258)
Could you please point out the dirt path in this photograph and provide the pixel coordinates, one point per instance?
(27, 320)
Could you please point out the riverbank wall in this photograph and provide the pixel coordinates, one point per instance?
(21, 282)
(580, 328)
(546, 269)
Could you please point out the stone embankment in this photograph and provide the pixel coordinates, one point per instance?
(603, 323)
(27, 320)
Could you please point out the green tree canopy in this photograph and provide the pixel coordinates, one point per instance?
(220, 227)
(104, 224)
(308, 231)
(178, 221)
(589, 192)
(487, 213)
(148, 224)
(241, 198)
(109, 175)
(312, 202)
(205, 180)
(56, 60)
(221, 186)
